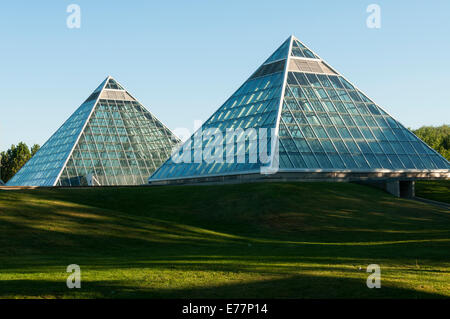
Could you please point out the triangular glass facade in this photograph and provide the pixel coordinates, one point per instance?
(321, 121)
(111, 139)
(253, 106)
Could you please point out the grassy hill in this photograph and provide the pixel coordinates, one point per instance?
(434, 190)
(274, 240)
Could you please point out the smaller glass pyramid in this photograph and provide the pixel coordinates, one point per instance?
(111, 139)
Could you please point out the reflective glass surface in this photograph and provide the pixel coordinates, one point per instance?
(44, 167)
(280, 53)
(113, 85)
(121, 144)
(328, 123)
(325, 123)
(254, 105)
(299, 50)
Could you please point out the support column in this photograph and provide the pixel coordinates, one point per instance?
(407, 189)
(393, 187)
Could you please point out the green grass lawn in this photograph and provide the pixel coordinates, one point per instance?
(434, 190)
(272, 240)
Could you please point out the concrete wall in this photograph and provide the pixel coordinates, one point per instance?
(398, 188)
(392, 187)
(375, 178)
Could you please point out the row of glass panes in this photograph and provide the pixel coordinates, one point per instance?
(344, 100)
(376, 146)
(126, 140)
(358, 161)
(106, 155)
(323, 81)
(308, 103)
(267, 69)
(108, 163)
(110, 177)
(280, 53)
(98, 120)
(38, 175)
(111, 174)
(252, 86)
(121, 121)
(255, 123)
(263, 120)
(328, 106)
(81, 170)
(358, 145)
(143, 134)
(347, 128)
(328, 82)
(86, 163)
(122, 154)
(113, 85)
(102, 179)
(255, 146)
(355, 123)
(132, 107)
(299, 50)
(246, 110)
(339, 119)
(248, 105)
(195, 169)
(361, 121)
(121, 180)
(128, 108)
(102, 147)
(70, 171)
(82, 167)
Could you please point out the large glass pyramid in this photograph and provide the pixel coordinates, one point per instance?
(111, 139)
(320, 122)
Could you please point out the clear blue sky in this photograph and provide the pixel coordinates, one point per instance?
(182, 59)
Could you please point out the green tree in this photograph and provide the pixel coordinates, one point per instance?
(438, 137)
(2, 165)
(13, 159)
(34, 149)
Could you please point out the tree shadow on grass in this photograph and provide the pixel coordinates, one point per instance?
(288, 287)
(149, 230)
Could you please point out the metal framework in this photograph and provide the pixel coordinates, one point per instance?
(323, 123)
(111, 139)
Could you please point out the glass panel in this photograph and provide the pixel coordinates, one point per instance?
(336, 110)
(122, 143)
